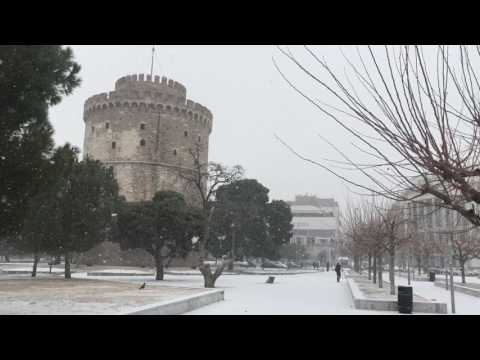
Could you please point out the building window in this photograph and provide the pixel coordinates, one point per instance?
(142, 142)
(199, 138)
(185, 133)
(114, 144)
(142, 126)
(107, 125)
(175, 152)
(93, 129)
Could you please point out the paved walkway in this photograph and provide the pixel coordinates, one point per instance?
(305, 294)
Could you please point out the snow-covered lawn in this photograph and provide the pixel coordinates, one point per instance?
(29, 270)
(50, 295)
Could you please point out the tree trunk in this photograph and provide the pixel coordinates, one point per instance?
(159, 265)
(36, 257)
(68, 274)
(391, 271)
(230, 265)
(380, 272)
(369, 266)
(209, 278)
(462, 269)
(374, 270)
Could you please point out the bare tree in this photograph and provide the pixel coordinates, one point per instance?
(393, 220)
(421, 115)
(203, 180)
(464, 240)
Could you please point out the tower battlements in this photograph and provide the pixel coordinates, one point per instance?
(147, 82)
(152, 94)
(145, 129)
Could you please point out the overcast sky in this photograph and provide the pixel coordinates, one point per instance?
(249, 100)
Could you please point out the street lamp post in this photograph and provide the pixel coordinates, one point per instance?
(452, 287)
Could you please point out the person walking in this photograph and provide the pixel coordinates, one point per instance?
(328, 266)
(338, 270)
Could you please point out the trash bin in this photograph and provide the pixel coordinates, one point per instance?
(405, 299)
(431, 276)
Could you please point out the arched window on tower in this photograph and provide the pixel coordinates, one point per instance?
(199, 138)
(175, 152)
(185, 133)
(142, 126)
(114, 144)
(142, 142)
(107, 125)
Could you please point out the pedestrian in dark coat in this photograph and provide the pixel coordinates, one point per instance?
(328, 266)
(338, 270)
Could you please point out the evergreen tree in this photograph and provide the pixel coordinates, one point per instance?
(164, 227)
(32, 78)
(75, 212)
(279, 219)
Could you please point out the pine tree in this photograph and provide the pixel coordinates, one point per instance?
(32, 78)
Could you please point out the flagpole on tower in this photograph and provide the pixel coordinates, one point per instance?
(151, 67)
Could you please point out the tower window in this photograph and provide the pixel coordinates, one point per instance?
(199, 138)
(142, 142)
(175, 152)
(107, 125)
(114, 144)
(142, 126)
(93, 129)
(185, 133)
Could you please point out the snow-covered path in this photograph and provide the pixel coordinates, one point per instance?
(305, 294)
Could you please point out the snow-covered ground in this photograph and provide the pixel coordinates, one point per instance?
(464, 304)
(302, 294)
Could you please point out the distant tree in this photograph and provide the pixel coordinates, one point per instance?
(32, 78)
(279, 220)
(292, 251)
(5, 249)
(164, 227)
(243, 204)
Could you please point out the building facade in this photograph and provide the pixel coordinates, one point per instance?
(436, 227)
(145, 130)
(316, 227)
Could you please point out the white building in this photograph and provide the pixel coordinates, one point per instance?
(315, 226)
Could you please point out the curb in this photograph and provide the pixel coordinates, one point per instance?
(117, 274)
(361, 302)
(179, 306)
(460, 288)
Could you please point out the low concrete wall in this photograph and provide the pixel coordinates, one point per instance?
(179, 306)
(362, 302)
(118, 274)
(461, 288)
